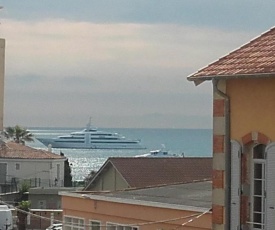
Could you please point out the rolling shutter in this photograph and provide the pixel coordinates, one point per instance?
(270, 186)
(235, 184)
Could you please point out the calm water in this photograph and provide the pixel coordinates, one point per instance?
(191, 142)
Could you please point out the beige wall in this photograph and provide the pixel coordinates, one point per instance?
(252, 106)
(130, 214)
(110, 180)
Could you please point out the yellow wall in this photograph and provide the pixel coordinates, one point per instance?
(130, 214)
(252, 106)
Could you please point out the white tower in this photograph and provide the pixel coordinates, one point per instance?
(2, 74)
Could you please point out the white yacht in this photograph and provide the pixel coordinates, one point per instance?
(91, 138)
(158, 153)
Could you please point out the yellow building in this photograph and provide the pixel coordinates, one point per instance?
(243, 135)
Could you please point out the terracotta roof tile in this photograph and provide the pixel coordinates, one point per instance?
(144, 172)
(254, 58)
(19, 151)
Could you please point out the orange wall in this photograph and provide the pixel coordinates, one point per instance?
(252, 106)
(130, 214)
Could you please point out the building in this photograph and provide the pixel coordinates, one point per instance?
(47, 197)
(119, 173)
(163, 207)
(38, 168)
(2, 74)
(243, 135)
(143, 193)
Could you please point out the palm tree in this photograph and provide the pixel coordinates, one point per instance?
(18, 134)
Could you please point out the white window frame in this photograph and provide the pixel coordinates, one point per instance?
(75, 223)
(252, 195)
(94, 221)
(118, 226)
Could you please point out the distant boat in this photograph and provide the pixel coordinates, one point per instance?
(91, 138)
(158, 153)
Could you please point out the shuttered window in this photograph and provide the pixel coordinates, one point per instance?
(235, 184)
(270, 187)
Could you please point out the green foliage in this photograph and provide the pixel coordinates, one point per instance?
(90, 176)
(79, 183)
(24, 187)
(24, 205)
(18, 134)
(67, 174)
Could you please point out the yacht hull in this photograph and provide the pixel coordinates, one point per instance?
(55, 143)
(91, 138)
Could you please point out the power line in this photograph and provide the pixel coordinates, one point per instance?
(189, 221)
(195, 216)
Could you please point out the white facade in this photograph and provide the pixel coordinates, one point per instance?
(37, 172)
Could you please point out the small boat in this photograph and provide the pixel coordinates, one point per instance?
(157, 153)
(91, 138)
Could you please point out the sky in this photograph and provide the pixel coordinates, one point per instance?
(124, 63)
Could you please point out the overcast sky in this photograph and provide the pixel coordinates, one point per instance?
(122, 62)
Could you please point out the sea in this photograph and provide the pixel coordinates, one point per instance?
(182, 142)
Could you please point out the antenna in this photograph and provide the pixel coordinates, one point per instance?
(1, 7)
(89, 123)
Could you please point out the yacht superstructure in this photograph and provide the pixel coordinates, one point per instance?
(92, 138)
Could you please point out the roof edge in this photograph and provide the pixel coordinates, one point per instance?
(199, 79)
(134, 202)
(191, 76)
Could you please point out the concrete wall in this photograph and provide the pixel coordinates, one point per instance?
(41, 219)
(218, 175)
(110, 180)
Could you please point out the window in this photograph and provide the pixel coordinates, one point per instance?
(258, 162)
(258, 184)
(94, 225)
(17, 166)
(111, 226)
(73, 223)
(41, 204)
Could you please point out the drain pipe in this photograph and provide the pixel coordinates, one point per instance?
(227, 154)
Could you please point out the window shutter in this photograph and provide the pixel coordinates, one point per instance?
(270, 186)
(235, 184)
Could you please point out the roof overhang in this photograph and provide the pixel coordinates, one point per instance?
(200, 79)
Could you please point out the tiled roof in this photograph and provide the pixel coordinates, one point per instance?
(256, 58)
(143, 172)
(19, 151)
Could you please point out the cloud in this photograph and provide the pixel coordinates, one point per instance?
(61, 71)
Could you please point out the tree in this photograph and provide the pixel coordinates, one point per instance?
(18, 134)
(22, 212)
(23, 205)
(90, 176)
(67, 173)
